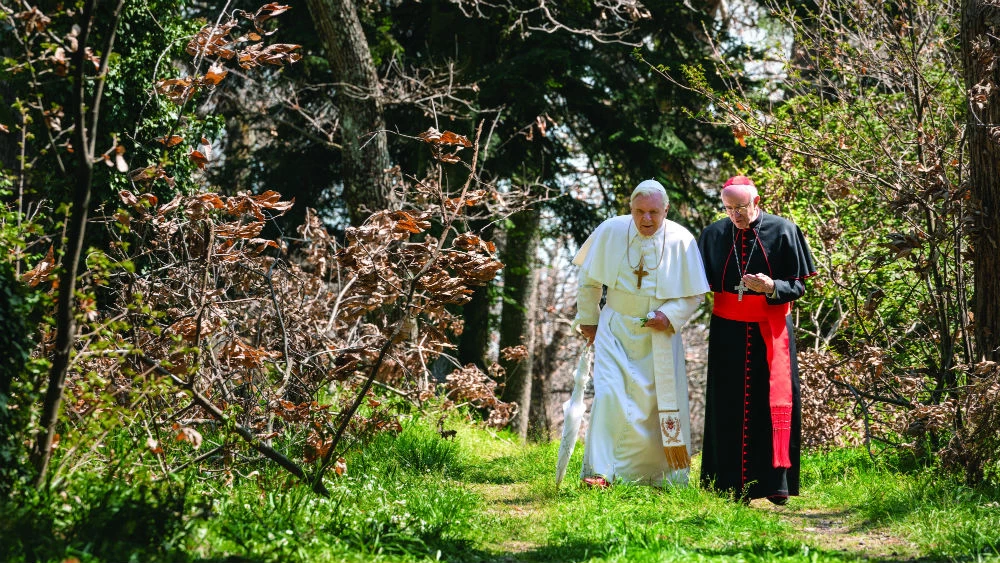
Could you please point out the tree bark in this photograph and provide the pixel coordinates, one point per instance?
(550, 338)
(543, 365)
(539, 416)
(240, 141)
(517, 312)
(981, 55)
(474, 342)
(8, 142)
(365, 151)
(475, 338)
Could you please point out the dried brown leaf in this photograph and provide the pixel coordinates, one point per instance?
(188, 434)
(41, 271)
(237, 230)
(740, 132)
(198, 158)
(177, 90)
(128, 198)
(170, 140)
(215, 74)
(259, 245)
(34, 20)
(170, 206)
(237, 353)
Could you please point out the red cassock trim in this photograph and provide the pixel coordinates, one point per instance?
(745, 458)
(774, 331)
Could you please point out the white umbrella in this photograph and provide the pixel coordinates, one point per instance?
(573, 410)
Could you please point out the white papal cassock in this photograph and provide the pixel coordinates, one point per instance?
(635, 423)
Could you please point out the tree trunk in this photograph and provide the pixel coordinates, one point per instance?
(980, 52)
(84, 114)
(240, 140)
(545, 355)
(517, 312)
(475, 339)
(8, 141)
(539, 416)
(365, 151)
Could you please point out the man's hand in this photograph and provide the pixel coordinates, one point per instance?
(759, 283)
(589, 331)
(658, 322)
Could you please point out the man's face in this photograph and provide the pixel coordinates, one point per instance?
(740, 207)
(648, 212)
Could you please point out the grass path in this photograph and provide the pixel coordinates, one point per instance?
(518, 508)
(851, 509)
(842, 530)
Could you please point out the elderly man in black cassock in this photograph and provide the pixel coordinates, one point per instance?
(756, 264)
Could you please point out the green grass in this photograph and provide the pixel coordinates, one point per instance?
(624, 523)
(483, 497)
(946, 519)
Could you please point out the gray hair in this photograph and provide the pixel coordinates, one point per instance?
(650, 187)
(745, 185)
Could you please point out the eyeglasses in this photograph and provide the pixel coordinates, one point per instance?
(742, 210)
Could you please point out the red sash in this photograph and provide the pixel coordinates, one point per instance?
(774, 330)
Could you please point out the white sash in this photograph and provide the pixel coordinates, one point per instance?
(634, 307)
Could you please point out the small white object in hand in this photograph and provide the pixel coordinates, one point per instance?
(649, 315)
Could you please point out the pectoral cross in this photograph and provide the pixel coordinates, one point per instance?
(640, 273)
(741, 288)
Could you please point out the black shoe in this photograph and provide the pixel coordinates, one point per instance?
(780, 500)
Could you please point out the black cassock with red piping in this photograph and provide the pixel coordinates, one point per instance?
(752, 405)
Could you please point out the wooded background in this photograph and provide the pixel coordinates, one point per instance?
(297, 223)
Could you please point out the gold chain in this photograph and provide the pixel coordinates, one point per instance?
(628, 247)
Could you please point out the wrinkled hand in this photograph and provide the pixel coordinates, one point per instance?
(658, 322)
(759, 283)
(589, 332)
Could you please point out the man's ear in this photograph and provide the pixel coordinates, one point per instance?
(756, 200)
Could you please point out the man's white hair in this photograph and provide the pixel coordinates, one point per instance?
(650, 187)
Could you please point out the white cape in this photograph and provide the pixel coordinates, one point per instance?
(680, 274)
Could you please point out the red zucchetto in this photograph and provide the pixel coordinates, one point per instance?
(738, 181)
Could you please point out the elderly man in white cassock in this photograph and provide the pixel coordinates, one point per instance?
(640, 424)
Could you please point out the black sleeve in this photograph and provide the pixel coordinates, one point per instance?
(787, 290)
(796, 264)
(708, 257)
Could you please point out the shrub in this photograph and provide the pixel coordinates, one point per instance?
(104, 518)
